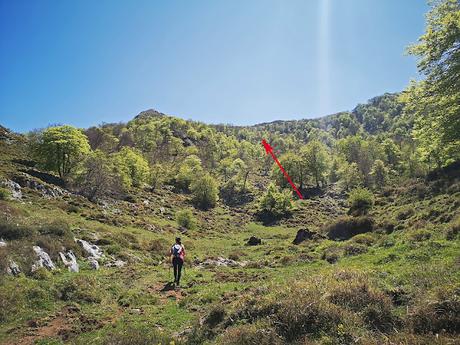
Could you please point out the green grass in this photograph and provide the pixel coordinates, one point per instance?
(416, 260)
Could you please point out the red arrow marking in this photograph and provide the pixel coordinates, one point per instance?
(268, 150)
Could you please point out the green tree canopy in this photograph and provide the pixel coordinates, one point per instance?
(60, 148)
(205, 191)
(435, 101)
(132, 167)
(316, 160)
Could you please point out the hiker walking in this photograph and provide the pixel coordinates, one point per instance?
(177, 258)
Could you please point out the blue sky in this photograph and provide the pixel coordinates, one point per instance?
(217, 61)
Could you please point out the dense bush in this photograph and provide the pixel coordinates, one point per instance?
(419, 235)
(4, 193)
(215, 316)
(305, 314)
(405, 213)
(347, 227)
(186, 219)
(372, 305)
(441, 314)
(14, 231)
(351, 249)
(275, 203)
(205, 191)
(79, 289)
(360, 201)
(58, 228)
(256, 334)
(132, 167)
(233, 192)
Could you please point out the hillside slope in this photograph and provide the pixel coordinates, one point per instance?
(391, 276)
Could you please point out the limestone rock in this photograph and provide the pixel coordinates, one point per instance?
(44, 259)
(70, 261)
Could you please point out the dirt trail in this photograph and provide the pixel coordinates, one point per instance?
(64, 324)
(166, 292)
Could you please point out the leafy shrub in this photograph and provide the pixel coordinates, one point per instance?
(41, 274)
(215, 316)
(13, 231)
(354, 249)
(331, 254)
(131, 166)
(306, 313)
(419, 235)
(360, 201)
(442, 314)
(79, 289)
(275, 203)
(372, 305)
(366, 239)
(405, 213)
(453, 230)
(347, 227)
(189, 170)
(12, 298)
(59, 228)
(158, 247)
(186, 219)
(255, 334)
(233, 192)
(113, 249)
(4, 193)
(205, 191)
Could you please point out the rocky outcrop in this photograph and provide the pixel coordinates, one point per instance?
(13, 268)
(14, 189)
(44, 259)
(305, 234)
(46, 190)
(221, 262)
(254, 241)
(116, 263)
(70, 261)
(93, 263)
(93, 251)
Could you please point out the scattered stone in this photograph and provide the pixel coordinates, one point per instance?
(162, 210)
(91, 249)
(221, 262)
(93, 263)
(146, 202)
(136, 311)
(14, 188)
(13, 268)
(117, 263)
(95, 253)
(47, 191)
(2, 243)
(70, 261)
(254, 241)
(44, 259)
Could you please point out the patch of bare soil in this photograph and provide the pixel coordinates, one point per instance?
(167, 292)
(65, 325)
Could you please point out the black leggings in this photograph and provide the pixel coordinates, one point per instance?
(177, 264)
